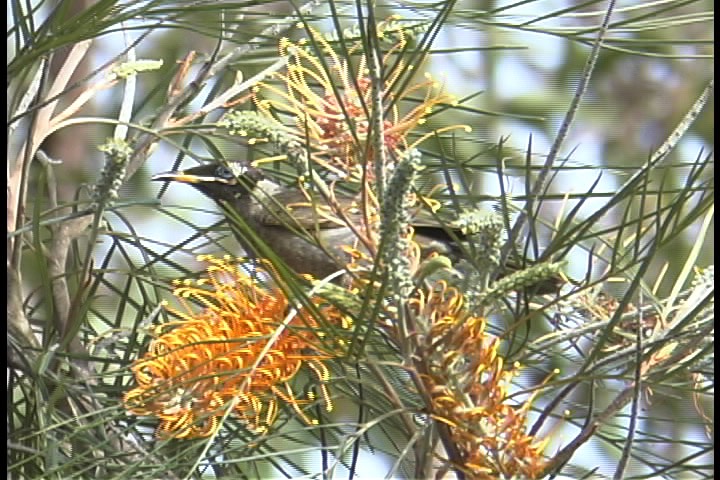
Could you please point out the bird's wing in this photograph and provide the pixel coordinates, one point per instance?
(293, 209)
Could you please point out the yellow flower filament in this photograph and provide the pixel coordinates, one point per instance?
(337, 121)
(210, 358)
(468, 387)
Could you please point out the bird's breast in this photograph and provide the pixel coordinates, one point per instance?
(317, 252)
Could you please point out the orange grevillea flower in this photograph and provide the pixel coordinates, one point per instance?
(240, 352)
(468, 386)
(325, 103)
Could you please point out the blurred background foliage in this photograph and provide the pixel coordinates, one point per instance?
(83, 288)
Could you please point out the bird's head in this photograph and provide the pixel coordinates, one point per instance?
(227, 182)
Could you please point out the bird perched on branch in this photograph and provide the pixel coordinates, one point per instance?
(304, 231)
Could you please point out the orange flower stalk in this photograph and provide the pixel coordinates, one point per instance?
(468, 387)
(327, 105)
(240, 352)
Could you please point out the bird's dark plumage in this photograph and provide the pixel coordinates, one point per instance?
(281, 217)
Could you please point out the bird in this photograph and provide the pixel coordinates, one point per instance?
(302, 233)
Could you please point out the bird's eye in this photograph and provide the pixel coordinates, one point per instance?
(230, 172)
(224, 173)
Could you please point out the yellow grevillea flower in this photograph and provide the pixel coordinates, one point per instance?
(239, 352)
(468, 387)
(326, 103)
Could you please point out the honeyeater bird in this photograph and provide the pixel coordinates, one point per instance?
(302, 232)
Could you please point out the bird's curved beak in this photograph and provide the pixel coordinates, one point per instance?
(180, 177)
